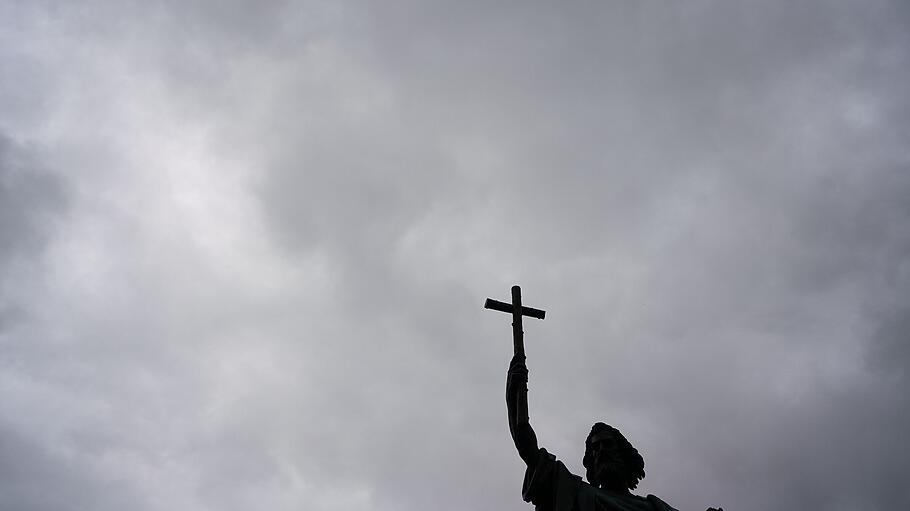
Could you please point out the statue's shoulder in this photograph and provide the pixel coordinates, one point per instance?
(546, 459)
(659, 504)
(549, 484)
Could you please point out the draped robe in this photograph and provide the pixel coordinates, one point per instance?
(550, 486)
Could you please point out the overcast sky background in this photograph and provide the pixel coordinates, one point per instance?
(244, 249)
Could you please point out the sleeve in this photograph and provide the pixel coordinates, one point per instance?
(549, 485)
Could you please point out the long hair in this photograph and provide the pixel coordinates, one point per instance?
(633, 463)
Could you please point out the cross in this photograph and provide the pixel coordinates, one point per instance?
(517, 311)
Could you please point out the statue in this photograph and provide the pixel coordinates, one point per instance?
(613, 467)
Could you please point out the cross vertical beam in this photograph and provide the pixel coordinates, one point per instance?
(518, 334)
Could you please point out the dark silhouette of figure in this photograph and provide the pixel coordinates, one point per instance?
(613, 467)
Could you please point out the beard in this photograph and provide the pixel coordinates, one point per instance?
(609, 475)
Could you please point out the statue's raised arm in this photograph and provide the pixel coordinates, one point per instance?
(517, 404)
(517, 380)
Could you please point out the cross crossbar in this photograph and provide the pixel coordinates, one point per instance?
(496, 305)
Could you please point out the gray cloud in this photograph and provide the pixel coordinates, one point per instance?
(30, 199)
(284, 220)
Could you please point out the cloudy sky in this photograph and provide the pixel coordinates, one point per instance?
(244, 249)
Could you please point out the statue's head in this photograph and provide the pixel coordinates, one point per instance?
(610, 460)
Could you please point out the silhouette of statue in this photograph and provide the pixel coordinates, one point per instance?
(612, 466)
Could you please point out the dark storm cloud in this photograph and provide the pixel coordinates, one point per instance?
(32, 478)
(30, 199)
(709, 199)
(31, 202)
